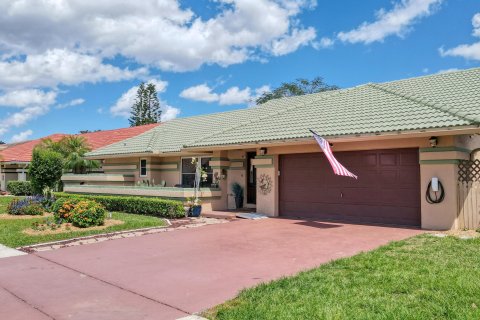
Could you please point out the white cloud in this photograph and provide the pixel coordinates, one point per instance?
(397, 21)
(233, 95)
(22, 136)
(160, 33)
(31, 102)
(201, 92)
(20, 118)
(168, 112)
(291, 42)
(123, 106)
(27, 97)
(60, 66)
(467, 51)
(71, 103)
(324, 42)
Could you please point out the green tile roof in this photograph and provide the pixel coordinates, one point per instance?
(437, 101)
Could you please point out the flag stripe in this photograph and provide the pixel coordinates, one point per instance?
(337, 167)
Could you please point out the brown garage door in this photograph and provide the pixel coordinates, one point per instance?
(387, 190)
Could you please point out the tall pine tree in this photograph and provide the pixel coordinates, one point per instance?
(146, 108)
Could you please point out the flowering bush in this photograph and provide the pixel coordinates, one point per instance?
(21, 206)
(63, 207)
(87, 214)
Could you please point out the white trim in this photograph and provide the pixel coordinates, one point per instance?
(140, 168)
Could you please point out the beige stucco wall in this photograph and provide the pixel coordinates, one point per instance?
(154, 174)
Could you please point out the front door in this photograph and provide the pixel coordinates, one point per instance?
(251, 179)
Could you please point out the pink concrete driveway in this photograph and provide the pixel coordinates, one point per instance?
(173, 274)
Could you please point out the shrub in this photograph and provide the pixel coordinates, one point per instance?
(88, 214)
(62, 208)
(45, 169)
(22, 206)
(20, 188)
(140, 205)
(34, 209)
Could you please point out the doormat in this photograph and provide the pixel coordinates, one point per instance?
(251, 216)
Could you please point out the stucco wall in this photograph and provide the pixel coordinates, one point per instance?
(158, 169)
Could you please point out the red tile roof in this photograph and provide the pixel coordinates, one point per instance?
(104, 138)
(22, 152)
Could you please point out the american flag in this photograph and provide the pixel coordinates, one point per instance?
(338, 169)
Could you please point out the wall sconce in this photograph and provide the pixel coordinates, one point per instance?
(433, 141)
(262, 151)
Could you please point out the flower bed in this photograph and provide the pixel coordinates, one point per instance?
(44, 228)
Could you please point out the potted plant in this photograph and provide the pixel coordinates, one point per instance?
(194, 207)
(237, 190)
(200, 176)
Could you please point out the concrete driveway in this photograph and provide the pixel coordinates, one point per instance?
(174, 274)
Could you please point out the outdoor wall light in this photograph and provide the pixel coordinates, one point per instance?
(433, 141)
(263, 151)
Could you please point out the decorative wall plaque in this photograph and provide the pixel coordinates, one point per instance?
(265, 184)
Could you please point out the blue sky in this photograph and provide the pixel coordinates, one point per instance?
(67, 66)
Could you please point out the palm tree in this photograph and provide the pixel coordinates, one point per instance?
(73, 149)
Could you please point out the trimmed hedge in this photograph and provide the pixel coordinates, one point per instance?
(20, 188)
(140, 205)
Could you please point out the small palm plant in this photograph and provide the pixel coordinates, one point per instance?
(74, 149)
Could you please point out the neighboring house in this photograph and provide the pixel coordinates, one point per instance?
(395, 136)
(15, 158)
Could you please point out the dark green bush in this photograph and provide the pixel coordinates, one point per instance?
(88, 213)
(20, 188)
(45, 169)
(140, 205)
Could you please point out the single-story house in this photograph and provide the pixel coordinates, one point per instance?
(15, 158)
(396, 136)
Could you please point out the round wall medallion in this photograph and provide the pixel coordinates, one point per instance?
(265, 183)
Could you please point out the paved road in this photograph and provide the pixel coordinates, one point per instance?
(173, 274)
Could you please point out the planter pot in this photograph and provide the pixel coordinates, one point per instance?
(239, 202)
(195, 211)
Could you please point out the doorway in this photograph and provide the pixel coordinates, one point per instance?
(251, 179)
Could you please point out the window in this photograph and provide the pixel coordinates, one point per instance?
(188, 172)
(143, 167)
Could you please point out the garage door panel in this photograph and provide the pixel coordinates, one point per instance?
(387, 190)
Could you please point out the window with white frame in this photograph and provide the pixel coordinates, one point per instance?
(143, 167)
(188, 172)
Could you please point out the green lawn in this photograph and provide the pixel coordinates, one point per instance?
(11, 230)
(420, 278)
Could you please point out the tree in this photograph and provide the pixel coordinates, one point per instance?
(73, 149)
(45, 169)
(296, 88)
(146, 108)
(2, 142)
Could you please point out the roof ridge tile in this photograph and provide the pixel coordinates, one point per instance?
(427, 102)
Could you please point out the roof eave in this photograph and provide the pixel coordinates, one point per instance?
(471, 129)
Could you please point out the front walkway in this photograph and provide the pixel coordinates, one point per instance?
(171, 275)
